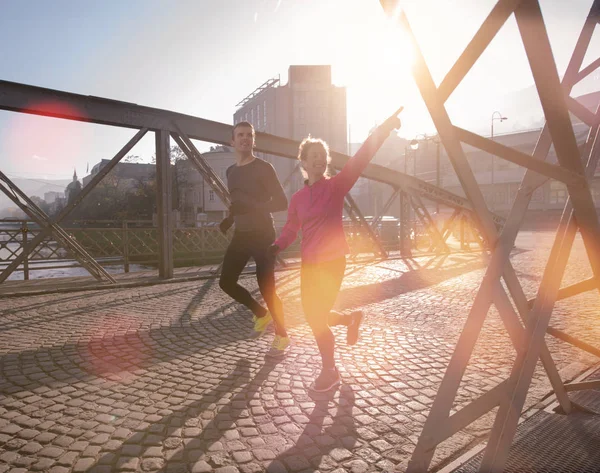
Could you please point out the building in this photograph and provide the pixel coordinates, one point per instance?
(127, 174)
(500, 180)
(499, 187)
(308, 104)
(52, 196)
(73, 188)
(197, 201)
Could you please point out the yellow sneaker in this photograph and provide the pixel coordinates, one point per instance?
(278, 346)
(261, 324)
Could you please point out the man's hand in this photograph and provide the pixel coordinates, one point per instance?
(238, 208)
(393, 122)
(273, 251)
(226, 224)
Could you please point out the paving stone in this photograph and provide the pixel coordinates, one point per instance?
(153, 452)
(242, 457)
(83, 465)
(127, 463)
(251, 468)
(28, 434)
(14, 444)
(9, 457)
(357, 466)
(101, 469)
(215, 447)
(131, 450)
(263, 454)
(201, 467)
(45, 437)
(78, 446)
(276, 467)
(43, 464)
(51, 452)
(193, 380)
(227, 469)
(59, 469)
(100, 439)
(92, 451)
(152, 464)
(107, 458)
(26, 461)
(68, 459)
(296, 463)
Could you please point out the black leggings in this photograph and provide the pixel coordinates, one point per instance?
(320, 284)
(243, 246)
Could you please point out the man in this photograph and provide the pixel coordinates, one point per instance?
(255, 192)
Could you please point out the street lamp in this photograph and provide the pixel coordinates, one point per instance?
(495, 116)
(414, 144)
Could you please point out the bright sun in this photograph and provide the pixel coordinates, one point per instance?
(376, 68)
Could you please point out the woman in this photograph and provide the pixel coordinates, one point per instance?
(317, 210)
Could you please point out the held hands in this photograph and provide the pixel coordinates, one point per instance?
(393, 122)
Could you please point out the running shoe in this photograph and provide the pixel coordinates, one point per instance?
(261, 324)
(278, 347)
(327, 380)
(354, 326)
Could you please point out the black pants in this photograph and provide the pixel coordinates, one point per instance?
(243, 246)
(320, 285)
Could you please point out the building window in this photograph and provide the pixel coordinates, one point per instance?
(252, 116)
(558, 193)
(301, 114)
(301, 97)
(301, 131)
(265, 114)
(538, 195)
(211, 195)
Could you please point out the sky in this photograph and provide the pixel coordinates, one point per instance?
(201, 57)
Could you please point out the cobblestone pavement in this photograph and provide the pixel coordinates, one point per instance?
(164, 378)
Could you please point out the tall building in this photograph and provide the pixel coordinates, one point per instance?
(308, 104)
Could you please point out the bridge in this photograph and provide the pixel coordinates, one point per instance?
(500, 297)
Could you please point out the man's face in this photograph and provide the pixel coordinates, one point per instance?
(243, 139)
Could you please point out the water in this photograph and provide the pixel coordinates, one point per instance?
(17, 275)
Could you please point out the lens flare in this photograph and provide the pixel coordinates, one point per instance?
(40, 142)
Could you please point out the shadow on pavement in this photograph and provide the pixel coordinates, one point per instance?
(167, 432)
(315, 442)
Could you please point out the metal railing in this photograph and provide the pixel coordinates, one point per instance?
(136, 242)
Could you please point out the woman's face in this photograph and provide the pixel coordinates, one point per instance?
(315, 163)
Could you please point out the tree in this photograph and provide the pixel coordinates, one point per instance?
(177, 154)
(132, 158)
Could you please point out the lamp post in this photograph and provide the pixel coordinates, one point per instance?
(414, 144)
(495, 116)
(404, 214)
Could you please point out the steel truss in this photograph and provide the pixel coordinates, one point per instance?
(183, 129)
(527, 330)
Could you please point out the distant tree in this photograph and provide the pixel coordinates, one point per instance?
(180, 179)
(131, 158)
(177, 154)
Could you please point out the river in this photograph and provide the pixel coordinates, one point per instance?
(45, 272)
